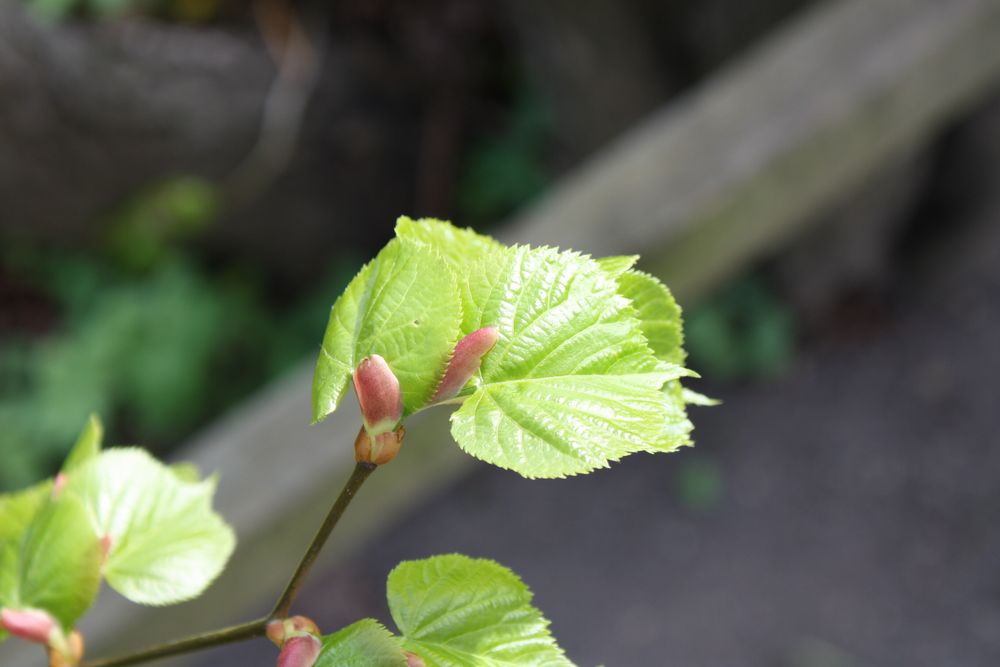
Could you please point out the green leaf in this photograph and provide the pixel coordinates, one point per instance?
(617, 264)
(336, 357)
(166, 543)
(658, 312)
(363, 644)
(571, 385)
(17, 511)
(694, 398)
(403, 306)
(459, 245)
(49, 557)
(60, 564)
(186, 472)
(87, 446)
(662, 324)
(455, 611)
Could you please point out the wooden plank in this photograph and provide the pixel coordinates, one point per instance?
(710, 182)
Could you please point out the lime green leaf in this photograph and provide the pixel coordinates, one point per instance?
(460, 246)
(694, 398)
(186, 472)
(336, 357)
(60, 563)
(455, 611)
(49, 557)
(618, 264)
(662, 324)
(17, 511)
(166, 543)
(87, 446)
(658, 313)
(363, 644)
(571, 385)
(553, 427)
(403, 306)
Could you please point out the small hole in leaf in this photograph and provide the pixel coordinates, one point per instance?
(416, 323)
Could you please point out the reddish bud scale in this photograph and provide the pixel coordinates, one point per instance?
(275, 632)
(300, 651)
(379, 395)
(378, 450)
(69, 653)
(30, 625)
(106, 543)
(59, 484)
(414, 660)
(280, 630)
(468, 356)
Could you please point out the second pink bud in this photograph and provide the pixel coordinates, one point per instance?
(468, 356)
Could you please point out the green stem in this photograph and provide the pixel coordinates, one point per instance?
(258, 628)
(236, 633)
(358, 477)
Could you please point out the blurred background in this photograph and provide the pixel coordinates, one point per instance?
(187, 185)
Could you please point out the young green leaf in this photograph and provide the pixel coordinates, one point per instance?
(49, 557)
(60, 562)
(363, 644)
(186, 472)
(571, 384)
(694, 398)
(617, 264)
(403, 306)
(455, 611)
(658, 312)
(660, 318)
(87, 446)
(17, 511)
(166, 543)
(459, 245)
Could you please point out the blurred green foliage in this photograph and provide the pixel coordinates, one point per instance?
(743, 332)
(145, 227)
(189, 11)
(506, 171)
(145, 336)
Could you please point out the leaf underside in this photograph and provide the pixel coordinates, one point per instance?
(167, 544)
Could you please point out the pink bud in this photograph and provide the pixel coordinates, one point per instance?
(469, 353)
(106, 543)
(379, 395)
(414, 660)
(29, 624)
(59, 484)
(300, 651)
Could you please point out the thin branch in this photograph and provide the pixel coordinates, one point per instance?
(236, 633)
(358, 477)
